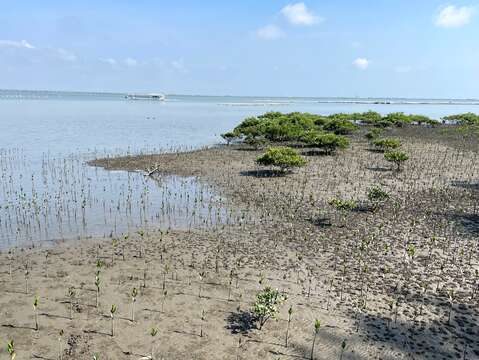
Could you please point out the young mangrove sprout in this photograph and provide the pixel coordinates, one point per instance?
(60, 348)
(97, 285)
(27, 273)
(165, 294)
(71, 296)
(35, 311)
(153, 333)
(134, 294)
(343, 347)
(112, 316)
(317, 326)
(202, 275)
(290, 313)
(203, 319)
(11, 349)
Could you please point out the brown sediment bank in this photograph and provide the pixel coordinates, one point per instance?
(394, 282)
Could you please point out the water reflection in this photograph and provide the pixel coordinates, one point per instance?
(67, 199)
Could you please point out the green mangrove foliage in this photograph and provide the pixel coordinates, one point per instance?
(396, 157)
(463, 119)
(293, 127)
(345, 205)
(386, 144)
(279, 127)
(328, 142)
(374, 133)
(400, 119)
(284, 158)
(267, 305)
(229, 136)
(377, 196)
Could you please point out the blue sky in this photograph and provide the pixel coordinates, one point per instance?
(402, 48)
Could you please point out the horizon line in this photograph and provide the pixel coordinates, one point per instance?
(106, 92)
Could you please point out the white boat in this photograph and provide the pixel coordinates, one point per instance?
(152, 96)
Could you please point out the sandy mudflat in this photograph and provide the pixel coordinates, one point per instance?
(350, 269)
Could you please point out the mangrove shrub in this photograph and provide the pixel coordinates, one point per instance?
(283, 157)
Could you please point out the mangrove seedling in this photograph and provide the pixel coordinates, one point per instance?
(343, 347)
(71, 296)
(134, 294)
(203, 319)
(60, 347)
(11, 349)
(153, 333)
(396, 157)
(343, 205)
(11, 254)
(165, 294)
(35, 311)
(202, 275)
(267, 305)
(112, 316)
(97, 285)
(27, 273)
(165, 272)
(411, 251)
(377, 196)
(317, 326)
(290, 313)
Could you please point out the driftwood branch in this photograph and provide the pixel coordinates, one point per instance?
(153, 170)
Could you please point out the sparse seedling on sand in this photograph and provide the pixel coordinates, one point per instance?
(153, 333)
(343, 348)
(317, 326)
(290, 313)
(11, 350)
(113, 310)
(71, 297)
(134, 294)
(35, 311)
(267, 305)
(97, 286)
(60, 346)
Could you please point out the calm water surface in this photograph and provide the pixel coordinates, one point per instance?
(48, 193)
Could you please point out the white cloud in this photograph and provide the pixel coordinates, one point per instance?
(452, 16)
(361, 63)
(269, 32)
(130, 62)
(403, 69)
(298, 14)
(17, 44)
(109, 61)
(66, 55)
